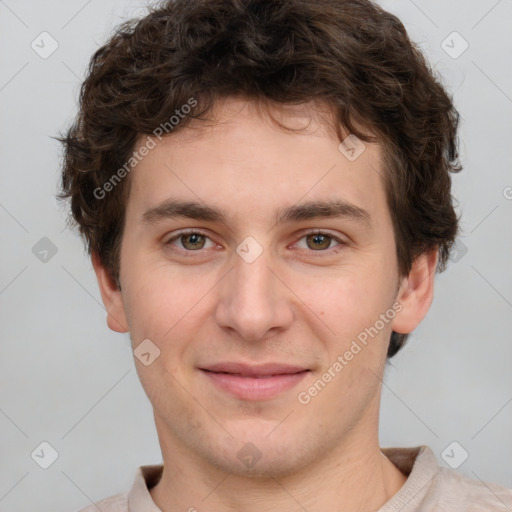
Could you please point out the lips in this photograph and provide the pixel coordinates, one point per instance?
(254, 382)
(255, 371)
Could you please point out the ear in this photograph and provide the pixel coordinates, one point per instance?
(416, 293)
(111, 296)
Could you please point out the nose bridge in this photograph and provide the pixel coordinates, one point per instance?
(253, 279)
(251, 302)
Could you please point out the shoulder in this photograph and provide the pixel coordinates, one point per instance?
(116, 503)
(432, 488)
(452, 490)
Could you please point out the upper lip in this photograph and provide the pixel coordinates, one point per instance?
(254, 370)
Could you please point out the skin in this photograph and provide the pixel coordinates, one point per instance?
(295, 304)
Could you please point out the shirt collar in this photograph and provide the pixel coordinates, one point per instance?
(418, 463)
(139, 498)
(420, 466)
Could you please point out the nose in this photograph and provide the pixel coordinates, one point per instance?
(253, 299)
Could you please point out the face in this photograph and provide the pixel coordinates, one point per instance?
(269, 314)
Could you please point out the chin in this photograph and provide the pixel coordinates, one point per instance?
(256, 453)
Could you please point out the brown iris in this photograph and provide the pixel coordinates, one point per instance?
(320, 241)
(195, 242)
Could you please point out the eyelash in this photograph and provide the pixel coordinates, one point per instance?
(187, 252)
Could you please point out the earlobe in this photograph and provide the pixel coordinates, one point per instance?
(111, 296)
(416, 293)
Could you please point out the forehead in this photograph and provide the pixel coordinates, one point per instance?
(242, 159)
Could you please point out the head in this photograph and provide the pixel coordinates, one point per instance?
(240, 107)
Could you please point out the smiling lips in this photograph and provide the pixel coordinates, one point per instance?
(256, 382)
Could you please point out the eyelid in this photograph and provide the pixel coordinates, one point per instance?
(188, 231)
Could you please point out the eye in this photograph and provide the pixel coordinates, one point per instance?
(320, 241)
(194, 240)
(190, 241)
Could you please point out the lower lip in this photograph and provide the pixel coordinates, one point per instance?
(252, 388)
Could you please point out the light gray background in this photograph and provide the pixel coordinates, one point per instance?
(67, 380)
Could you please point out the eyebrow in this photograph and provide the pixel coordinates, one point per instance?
(306, 211)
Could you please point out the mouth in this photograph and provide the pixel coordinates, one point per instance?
(254, 382)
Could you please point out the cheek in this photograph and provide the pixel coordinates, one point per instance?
(153, 302)
(347, 301)
(165, 302)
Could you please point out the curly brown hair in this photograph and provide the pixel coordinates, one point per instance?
(350, 54)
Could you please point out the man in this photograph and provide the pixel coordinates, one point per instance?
(264, 188)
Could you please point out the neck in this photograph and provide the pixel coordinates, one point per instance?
(356, 473)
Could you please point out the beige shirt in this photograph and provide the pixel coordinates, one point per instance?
(429, 488)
